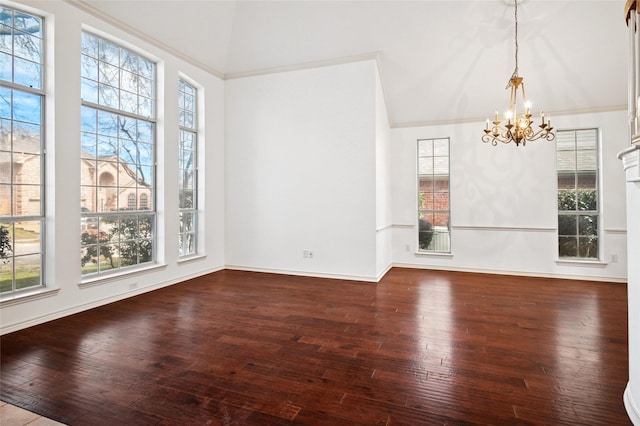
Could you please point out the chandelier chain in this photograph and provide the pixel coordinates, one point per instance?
(515, 71)
(516, 32)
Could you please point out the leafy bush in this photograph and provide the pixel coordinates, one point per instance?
(581, 199)
(425, 234)
(577, 229)
(5, 244)
(128, 240)
(92, 252)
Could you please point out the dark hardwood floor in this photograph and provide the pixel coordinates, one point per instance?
(418, 348)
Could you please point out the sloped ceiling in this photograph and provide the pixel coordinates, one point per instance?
(440, 61)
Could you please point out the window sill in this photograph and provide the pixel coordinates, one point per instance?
(580, 262)
(433, 254)
(191, 258)
(28, 296)
(104, 279)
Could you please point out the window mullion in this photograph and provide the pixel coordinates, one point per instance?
(118, 111)
(28, 89)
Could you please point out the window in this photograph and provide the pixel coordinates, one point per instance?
(578, 206)
(22, 152)
(434, 228)
(131, 202)
(117, 157)
(188, 161)
(144, 201)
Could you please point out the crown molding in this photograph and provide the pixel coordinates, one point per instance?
(95, 12)
(426, 123)
(305, 66)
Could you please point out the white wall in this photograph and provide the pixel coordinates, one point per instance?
(503, 202)
(63, 25)
(383, 185)
(301, 171)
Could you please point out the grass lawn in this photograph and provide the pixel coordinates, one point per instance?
(25, 278)
(90, 267)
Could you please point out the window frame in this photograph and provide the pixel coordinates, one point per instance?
(12, 219)
(193, 130)
(135, 230)
(577, 212)
(438, 234)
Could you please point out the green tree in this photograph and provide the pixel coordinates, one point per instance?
(5, 244)
(577, 228)
(95, 246)
(134, 234)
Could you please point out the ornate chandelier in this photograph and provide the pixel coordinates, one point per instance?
(517, 128)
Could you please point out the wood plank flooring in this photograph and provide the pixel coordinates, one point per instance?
(418, 348)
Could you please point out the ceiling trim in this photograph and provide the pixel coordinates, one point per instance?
(305, 65)
(92, 10)
(427, 123)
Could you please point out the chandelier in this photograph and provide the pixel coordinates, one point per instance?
(518, 128)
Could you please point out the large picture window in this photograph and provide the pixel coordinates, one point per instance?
(578, 205)
(117, 157)
(187, 169)
(22, 207)
(434, 228)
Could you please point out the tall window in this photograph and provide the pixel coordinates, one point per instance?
(188, 161)
(117, 157)
(578, 206)
(434, 229)
(21, 151)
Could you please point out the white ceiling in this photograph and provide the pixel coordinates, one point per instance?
(440, 61)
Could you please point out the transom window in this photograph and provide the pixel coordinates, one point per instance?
(117, 157)
(188, 170)
(578, 206)
(22, 151)
(434, 228)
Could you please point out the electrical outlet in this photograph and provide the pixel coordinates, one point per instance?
(310, 254)
(407, 247)
(133, 286)
(614, 258)
(307, 254)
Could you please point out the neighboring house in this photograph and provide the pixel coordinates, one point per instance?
(23, 169)
(109, 184)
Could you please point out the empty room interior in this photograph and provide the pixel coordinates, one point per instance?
(319, 212)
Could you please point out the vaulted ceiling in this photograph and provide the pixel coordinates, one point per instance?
(440, 61)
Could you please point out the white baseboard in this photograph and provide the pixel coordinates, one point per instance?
(384, 272)
(631, 407)
(510, 272)
(365, 278)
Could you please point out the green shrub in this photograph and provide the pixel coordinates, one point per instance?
(5, 244)
(581, 199)
(425, 234)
